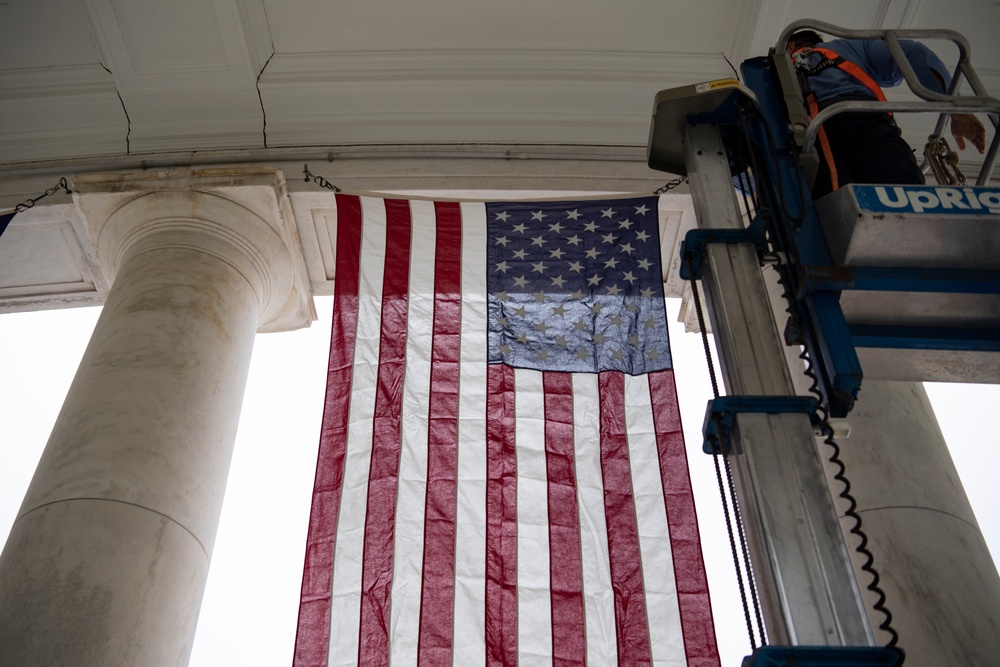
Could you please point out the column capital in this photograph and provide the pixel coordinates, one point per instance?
(240, 215)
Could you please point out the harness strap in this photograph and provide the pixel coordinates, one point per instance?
(824, 143)
(834, 59)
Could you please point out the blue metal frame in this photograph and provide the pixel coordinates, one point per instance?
(815, 283)
(824, 656)
(693, 245)
(758, 134)
(926, 338)
(720, 416)
(958, 281)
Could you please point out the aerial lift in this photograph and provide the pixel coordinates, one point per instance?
(928, 299)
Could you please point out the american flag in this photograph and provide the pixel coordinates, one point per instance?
(502, 477)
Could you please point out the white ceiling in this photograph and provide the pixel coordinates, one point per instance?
(112, 78)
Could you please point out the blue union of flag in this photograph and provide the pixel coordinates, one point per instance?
(576, 286)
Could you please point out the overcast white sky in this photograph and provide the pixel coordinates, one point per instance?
(249, 613)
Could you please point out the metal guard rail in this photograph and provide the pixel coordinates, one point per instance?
(945, 104)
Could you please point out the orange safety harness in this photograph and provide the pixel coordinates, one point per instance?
(831, 59)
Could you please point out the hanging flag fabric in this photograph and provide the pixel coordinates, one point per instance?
(502, 477)
(5, 219)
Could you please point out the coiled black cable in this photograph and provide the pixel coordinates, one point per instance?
(823, 418)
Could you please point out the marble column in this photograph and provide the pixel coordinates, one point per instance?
(107, 560)
(940, 582)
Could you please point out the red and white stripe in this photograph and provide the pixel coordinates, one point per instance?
(474, 514)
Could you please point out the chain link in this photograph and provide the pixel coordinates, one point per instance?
(323, 183)
(28, 203)
(670, 185)
(320, 181)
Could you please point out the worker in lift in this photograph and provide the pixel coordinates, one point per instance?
(867, 147)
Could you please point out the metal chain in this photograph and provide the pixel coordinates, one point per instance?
(722, 485)
(28, 203)
(670, 185)
(320, 181)
(323, 183)
(747, 565)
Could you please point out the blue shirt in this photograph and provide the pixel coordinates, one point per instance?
(873, 56)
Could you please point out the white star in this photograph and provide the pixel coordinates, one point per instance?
(578, 295)
(556, 254)
(538, 267)
(538, 215)
(592, 253)
(502, 217)
(558, 281)
(556, 227)
(593, 280)
(503, 266)
(503, 240)
(611, 263)
(574, 240)
(609, 238)
(576, 267)
(519, 228)
(629, 276)
(614, 290)
(538, 241)
(539, 296)
(647, 293)
(627, 248)
(644, 264)
(573, 215)
(642, 236)
(625, 224)
(520, 281)
(607, 213)
(520, 254)
(590, 227)
(641, 210)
